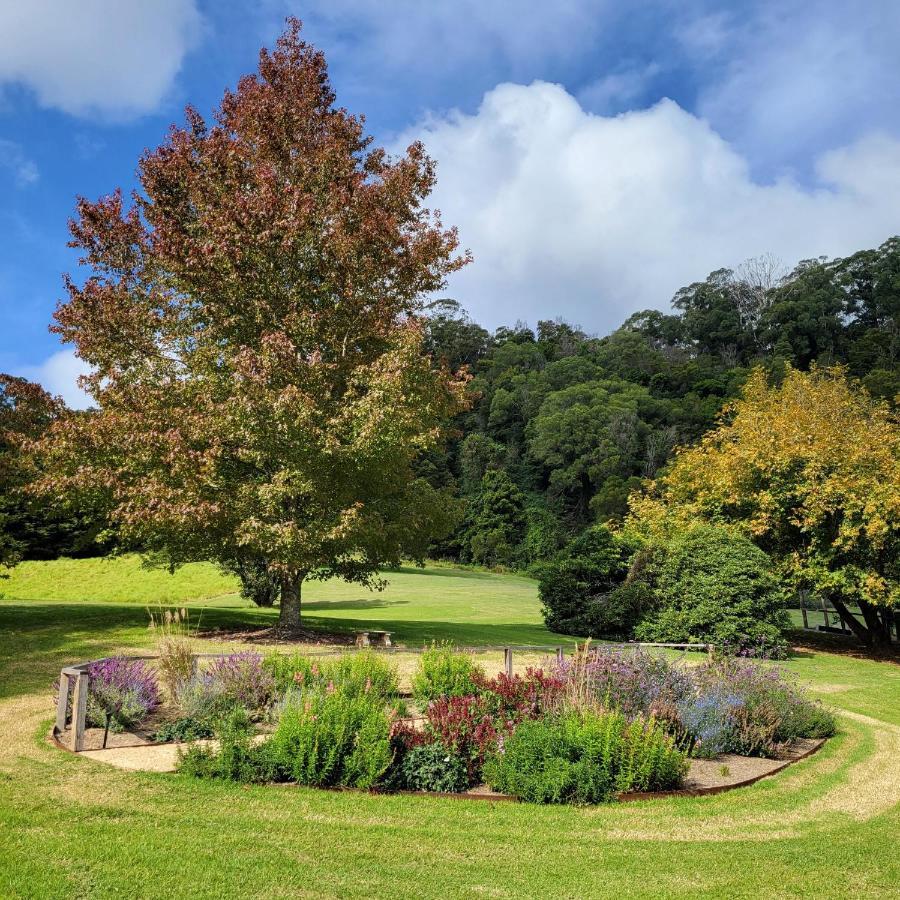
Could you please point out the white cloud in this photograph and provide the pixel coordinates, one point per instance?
(113, 58)
(593, 217)
(617, 88)
(791, 77)
(58, 374)
(13, 159)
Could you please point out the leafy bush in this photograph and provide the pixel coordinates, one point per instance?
(123, 689)
(444, 672)
(183, 730)
(243, 680)
(433, 767)
(290, 670)
(716, 586)
(575, 587)
(585, 757)
(466, 727)
(365, 672)
(515, 698)
(237, 758)
(355, 673)
(202, 699)
(333, 738)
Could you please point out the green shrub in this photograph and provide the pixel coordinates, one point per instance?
(183, 730)
(444, 672)
(716, 586)
(585, 757)
(289, 669)
(433, 767)
(237, 758)
(573, 587)
(362, 673)
(333, 738)
(353, 673)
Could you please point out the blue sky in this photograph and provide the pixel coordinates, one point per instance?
(596, 155)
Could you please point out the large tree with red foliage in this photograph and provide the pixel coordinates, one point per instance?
(261, 385)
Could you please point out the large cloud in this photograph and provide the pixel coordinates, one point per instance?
(593, 217)
(113, 58)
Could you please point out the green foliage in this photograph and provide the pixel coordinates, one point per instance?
(433, 767)
(237, 757)
(329, 738)
(183, 730)
(713, 585)
(445, 672)
(360, 672)
(585, 757)
(496, 522)
(574, 587)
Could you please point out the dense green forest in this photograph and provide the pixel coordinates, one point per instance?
(564, 425)
(564, 430)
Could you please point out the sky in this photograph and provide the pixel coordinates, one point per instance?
(595, 155)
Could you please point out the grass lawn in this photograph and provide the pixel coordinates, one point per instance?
(70, 827)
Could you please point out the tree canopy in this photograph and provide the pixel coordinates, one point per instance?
(252, 320)
(810, 470)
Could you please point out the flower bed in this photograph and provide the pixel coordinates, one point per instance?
(603, 723)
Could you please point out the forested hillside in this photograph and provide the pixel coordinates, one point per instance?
(564, 425)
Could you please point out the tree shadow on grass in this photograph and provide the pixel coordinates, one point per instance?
(361, 603)
(38, 638)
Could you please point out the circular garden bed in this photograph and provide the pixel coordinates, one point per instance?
(604, 724)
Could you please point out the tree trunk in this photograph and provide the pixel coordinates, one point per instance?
(289, 614)
(851, 621)
(874, 632)
(881, 635)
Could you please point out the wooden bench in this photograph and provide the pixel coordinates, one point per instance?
(370, 638)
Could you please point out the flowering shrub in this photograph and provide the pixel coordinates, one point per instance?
(765, 709)
(708, 721)
(465, 726)
(124, 689)
(626, 679)
(242, 680)
(518, 698)
(356, 673)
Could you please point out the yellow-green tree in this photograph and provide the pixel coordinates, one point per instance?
(810, 470)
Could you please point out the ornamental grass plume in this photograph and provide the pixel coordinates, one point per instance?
(175, 648)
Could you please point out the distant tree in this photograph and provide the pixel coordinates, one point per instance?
(253, 324)
(497, 522)
(810, 470)
(587, 432)
(28, 528)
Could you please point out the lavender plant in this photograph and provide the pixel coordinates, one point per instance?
(123, 690)
(243, 680)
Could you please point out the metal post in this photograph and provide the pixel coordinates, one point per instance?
(560, 655)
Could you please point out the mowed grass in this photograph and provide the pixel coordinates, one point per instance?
(418, 605)
(71, 827)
